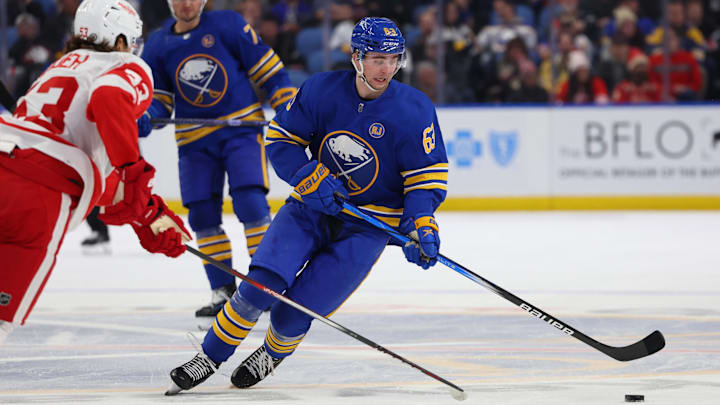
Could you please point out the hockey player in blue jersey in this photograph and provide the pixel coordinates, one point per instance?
(205, 66)
(374, 140)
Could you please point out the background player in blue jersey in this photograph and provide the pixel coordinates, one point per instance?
(205, 66)
(373, 139)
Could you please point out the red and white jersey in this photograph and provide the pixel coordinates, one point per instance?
(82, 111)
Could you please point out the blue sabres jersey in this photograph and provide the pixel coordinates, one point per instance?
(209, 72)
(388, 152)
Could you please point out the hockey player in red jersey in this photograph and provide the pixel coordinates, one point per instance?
(71, 145)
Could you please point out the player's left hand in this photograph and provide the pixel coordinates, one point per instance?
(423, 250)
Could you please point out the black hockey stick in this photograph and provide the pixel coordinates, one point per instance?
(209, 122)
(645, 347)
(6, 99)
(457, 392)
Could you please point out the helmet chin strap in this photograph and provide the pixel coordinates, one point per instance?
(361, 74)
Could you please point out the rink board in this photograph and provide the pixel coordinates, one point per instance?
(540, 158)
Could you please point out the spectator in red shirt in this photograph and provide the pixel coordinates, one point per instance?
(582, 87)
(686, 79)
(637, 88)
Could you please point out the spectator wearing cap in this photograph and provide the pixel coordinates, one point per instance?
(582, 87)
(627, 28)
(686, 79)
(645, 25)
(637, 88)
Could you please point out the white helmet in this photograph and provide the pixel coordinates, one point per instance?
(172, 11)
(105, 20)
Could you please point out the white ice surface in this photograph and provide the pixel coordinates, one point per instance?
(108, 329)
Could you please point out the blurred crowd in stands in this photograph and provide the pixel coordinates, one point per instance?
(492, 51)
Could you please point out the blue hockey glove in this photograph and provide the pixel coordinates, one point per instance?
(316, 186)
(423, 252)
(144, 126)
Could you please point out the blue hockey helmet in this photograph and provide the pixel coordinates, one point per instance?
(377, 34)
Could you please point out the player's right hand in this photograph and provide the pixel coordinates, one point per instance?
(162, 231)
(316, 186)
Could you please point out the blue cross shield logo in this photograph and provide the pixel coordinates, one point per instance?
(464, 149)
(503, 146)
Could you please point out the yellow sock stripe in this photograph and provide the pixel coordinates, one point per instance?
(280, 346)
(255, 240)
(212, 249)
(232, 315)
(231, 328)
(219, 257)
(252, 250)
(211, 239)
(256, 230)
(222, 336)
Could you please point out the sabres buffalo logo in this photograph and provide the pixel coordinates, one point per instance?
(201, 80)
(351, 159)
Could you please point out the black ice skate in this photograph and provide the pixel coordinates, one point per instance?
(219, 297)
(191, 374)
(97, 243)
(254, 369)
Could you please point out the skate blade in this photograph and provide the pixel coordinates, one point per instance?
(173, 389)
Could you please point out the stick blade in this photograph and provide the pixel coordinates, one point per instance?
(652, 343)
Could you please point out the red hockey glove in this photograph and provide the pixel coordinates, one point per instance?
(161, 231)
(132, 195)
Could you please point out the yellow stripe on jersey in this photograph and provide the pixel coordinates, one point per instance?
(265, 68)
(282, 95)
(269, 54)
(279, 65)
(442, 176)
(435, 167)
(166, 99)
(276, 133)
(427, 186)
